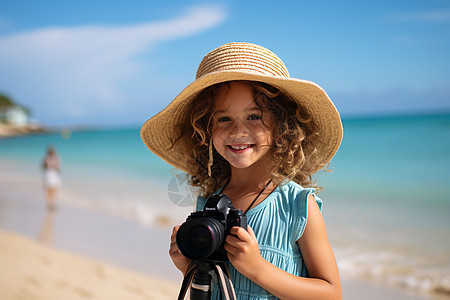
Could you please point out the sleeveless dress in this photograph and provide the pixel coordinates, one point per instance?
(278, 222)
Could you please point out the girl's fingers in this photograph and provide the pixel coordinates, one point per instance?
(230, 249)
(235, 244)
(174, 231)
(244, 235)
(251, 232)
(173, 250)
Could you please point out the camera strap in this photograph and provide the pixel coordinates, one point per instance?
(223, 274)
(260, 193)
(227, 285)
(187, 280)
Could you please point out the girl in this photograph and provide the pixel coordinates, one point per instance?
(246, 129)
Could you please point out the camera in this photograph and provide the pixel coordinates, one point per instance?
(202, 236)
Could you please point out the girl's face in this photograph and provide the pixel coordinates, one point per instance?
(239, 134)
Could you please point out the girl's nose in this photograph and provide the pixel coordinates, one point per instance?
(238, 129)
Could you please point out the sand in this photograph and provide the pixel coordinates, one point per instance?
(32, 270)
(9, 130)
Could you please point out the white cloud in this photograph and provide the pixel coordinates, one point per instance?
(85, 65)
(434, 16)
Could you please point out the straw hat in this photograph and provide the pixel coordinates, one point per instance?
(243, 61)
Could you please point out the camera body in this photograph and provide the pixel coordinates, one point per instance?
(202, 236)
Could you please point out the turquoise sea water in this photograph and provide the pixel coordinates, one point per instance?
(387, 201)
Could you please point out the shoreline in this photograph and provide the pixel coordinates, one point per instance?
(93, 234)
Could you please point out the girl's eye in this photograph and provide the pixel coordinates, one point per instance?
(223, 119)
(254, 117)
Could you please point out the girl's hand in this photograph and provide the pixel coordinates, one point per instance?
(179, 260)
(243, 250)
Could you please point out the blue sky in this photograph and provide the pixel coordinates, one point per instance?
(113, 63)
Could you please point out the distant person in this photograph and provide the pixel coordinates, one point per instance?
(52, 179)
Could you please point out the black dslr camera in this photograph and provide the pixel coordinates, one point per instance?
(202, 236)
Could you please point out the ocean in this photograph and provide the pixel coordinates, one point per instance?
(386, 199)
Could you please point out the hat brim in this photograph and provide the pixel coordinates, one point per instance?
(159, 131)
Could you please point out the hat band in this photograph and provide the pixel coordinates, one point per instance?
(242, 58)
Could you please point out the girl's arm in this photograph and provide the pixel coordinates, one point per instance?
(323, 283)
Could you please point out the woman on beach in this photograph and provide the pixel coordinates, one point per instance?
(245, 129)
(51, 165)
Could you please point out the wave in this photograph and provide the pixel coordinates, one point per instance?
(156, 209)
(419, 272)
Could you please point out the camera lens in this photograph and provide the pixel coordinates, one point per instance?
(199, 238)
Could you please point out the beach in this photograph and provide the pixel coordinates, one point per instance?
(109, 237)
(7, 130)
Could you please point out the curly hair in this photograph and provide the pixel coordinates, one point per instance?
(293, 154)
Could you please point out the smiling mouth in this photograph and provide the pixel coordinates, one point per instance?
(240, 147)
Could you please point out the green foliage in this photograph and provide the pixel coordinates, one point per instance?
(5, 101)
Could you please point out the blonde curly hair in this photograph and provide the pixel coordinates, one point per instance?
(293, 153)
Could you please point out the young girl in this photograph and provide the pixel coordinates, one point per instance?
(244, 128)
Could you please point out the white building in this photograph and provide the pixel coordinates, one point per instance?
(14, 115)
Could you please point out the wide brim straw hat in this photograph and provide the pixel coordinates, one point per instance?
(243, 61)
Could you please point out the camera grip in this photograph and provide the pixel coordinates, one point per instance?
(238, 219)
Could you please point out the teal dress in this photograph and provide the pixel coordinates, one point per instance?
(278, 222)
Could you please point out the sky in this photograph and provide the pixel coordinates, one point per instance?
(117, 63)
